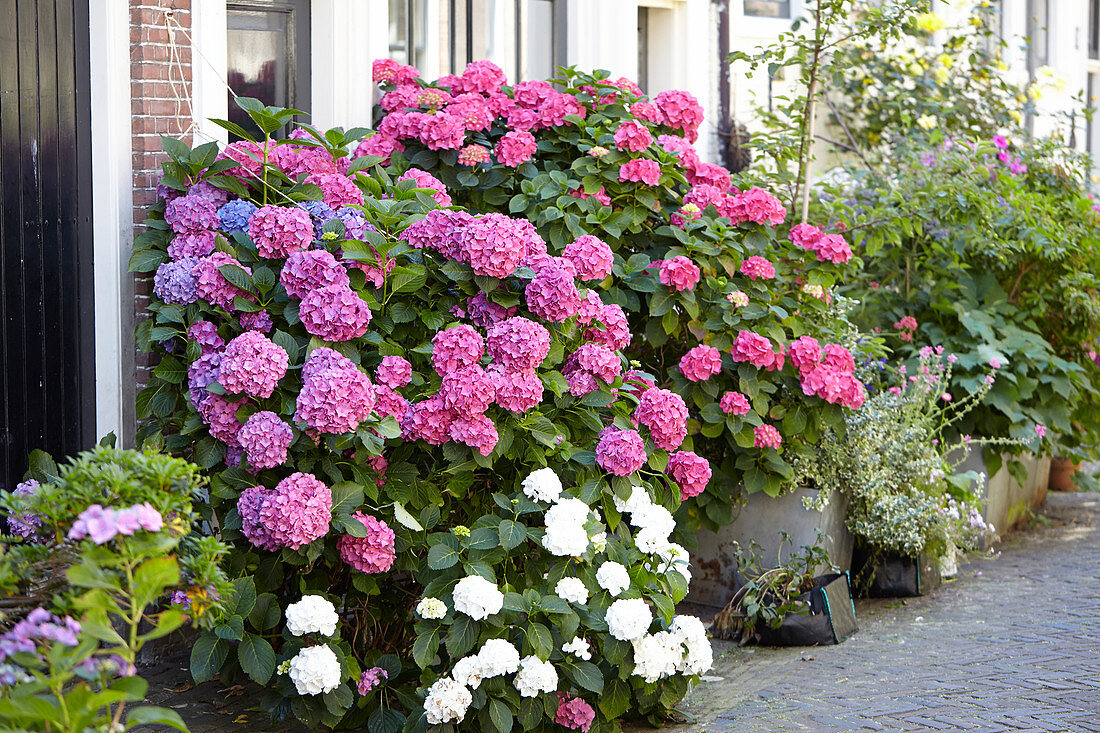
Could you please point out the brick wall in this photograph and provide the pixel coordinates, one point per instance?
(160, 87)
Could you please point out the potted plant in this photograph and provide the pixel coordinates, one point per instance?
(791, 604)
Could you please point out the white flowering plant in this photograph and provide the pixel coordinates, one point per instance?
(378, 385)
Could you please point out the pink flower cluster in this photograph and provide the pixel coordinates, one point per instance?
(104, 524)
(757, 350)
(757, 268)
(755, 205)
(265, 439)
(252, 363)
(516, 147)
(574, 713)
(766, 436)
(423, 179)
(632, 136)
(690, 472)
(665, 414)
(334, 313)
(735, 403)
(641, 170)
(827, 247)
(373, 553)
(335, 395)
(620, 452)
(296, 512)
(552, 294)
(701, 363)
(827, 372)
(312, 270)
(679, 273)
(591, 257)
(589, 363)
(279, 230)
(211, 285)
(681, 111)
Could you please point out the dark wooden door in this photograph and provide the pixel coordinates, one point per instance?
(47, 362)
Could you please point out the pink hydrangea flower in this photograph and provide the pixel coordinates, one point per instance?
(212, 286)
(574, 713)
(333, 399)
(475, 113)
(681, 111)
(249, 158)
(709, 174)
(371, 678)
(756, 268)
(738, 298)
(381, 145)
(484, 313)
(467, 390)
(312, 270)
(632, 136)
(600, 195)
(494, 244)
(679, 273)
(641, 170)
(278, 230)
(590, 256)
(394, 372)
(613, 330)
(598, 360)
(620, 452)
(388, 71)
(516, 147)
(755, 205)
(518, 344)
(257, 321)
(428, 420)
(753, 348)
(423, 179)
(516, 392)
(690, 472)
(552, 294)
(553, 111)
(323, 358)
(804, 353)
(665, 414)
(248, 507)
(805, 236)
(532, 94)
(265, 439)
(766, 436)
(441, 230)
(252, 363)
(192, 213)
(297, 512)
(476, 431)
(373, 553)
(701, 363)
(442, 131)
(388, 403)
(833, 248)
(334, 313)
(472, 155)
(734, 403)
(337, 189)
(647, 112)
(192, 244)
(456, 347)
(483, 77)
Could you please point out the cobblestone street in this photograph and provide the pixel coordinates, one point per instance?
(1012, 645)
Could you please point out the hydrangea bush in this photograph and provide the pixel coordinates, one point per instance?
(710, 278)
(431, 523)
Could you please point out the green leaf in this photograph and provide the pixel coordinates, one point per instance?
(152, 577)
(483, 538)
(266, 614)
(512, 534)
(207, 657)
(347, 496)
(586, 675)
(425, 648)
(462, 636)
(441, 557)
(402, 515)
(501, 715)
(231, 630)
(243, 597)
(147, 260)
(542, 643)
(237, 276)
(615, 699)
(385, 720)
(153, 715)
(407, 279)
(257, 658)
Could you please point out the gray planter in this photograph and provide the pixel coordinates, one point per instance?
(761, 519)
(1007, 503)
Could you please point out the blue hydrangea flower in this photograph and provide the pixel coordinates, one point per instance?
(234, 215)
(355, 224)
(320, 212)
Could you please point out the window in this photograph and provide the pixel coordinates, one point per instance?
(1092, 129)
(408, 31)
(1038, 50)
(268, 55)
(768, 8)
(643, 48)
(1094, 29)
(545, 38)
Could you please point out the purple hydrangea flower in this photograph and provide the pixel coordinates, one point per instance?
(174, 282)
(234, 215)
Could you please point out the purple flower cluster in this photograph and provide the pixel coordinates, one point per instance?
(265, 439)
(39, 626)
(620, 452)
(212, 286)
(25, 525)
(235, 215)
(279, 230)
(334, 313)
(335, 395)
(175, 283)
(296, 512)
(252, 363)
(102, 524)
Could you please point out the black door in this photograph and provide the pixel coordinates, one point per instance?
(47, 360)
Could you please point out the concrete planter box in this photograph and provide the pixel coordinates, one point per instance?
(761, 519)
(1007, 503)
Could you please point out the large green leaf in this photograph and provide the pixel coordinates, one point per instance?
(257, 658)
(207, 657)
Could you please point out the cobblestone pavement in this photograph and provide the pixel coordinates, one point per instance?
(1012, 645)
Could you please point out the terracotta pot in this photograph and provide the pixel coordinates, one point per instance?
(1061, 474)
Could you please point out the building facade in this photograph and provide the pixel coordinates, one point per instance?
(164, 67)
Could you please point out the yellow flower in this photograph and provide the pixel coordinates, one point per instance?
(930, 22)
(941, 76)
(945, 60)
(927, 122)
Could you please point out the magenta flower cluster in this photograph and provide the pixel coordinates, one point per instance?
(253, 364)
(373, 553)
(296, 512)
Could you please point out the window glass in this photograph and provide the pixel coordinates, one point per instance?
(408, 20)
(267, 56)
(1038, 18)
(540, 39)
(768, 8)
(643, 48)
(1094, 29)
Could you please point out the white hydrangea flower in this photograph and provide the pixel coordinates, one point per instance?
(628, 619)
(312, 614)
(599, 541)
(572, 590)
(613, 577)
(638, 500)
(542, 485)
(535, 676)
(657, 655)
(447, 702)
(579, 648)
(655, 519)
(565, 533)
(498, 656)
(650, 540)
(693, 635)
(432, 608)
(675, 557)
(477, 597)
(315, 670)
(468, 671)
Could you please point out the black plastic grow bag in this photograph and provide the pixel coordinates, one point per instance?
(830, 620)
(890, 575)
